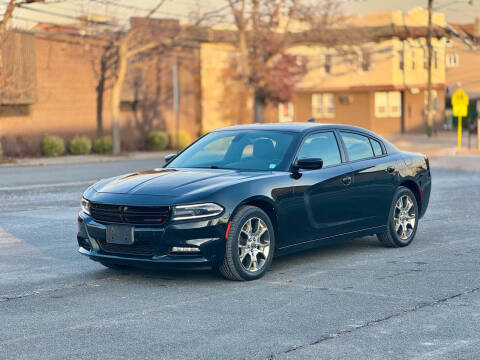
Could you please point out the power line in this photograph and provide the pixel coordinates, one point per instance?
(69, 16)
(132, 7)
(24, 19)
(52, 13)
(75, 17)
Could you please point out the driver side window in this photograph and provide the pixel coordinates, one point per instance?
(321, 146)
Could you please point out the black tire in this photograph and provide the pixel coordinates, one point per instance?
(231, 268)
(391, 238)
(115, 266)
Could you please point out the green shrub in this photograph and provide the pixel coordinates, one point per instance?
(157, 140)
(184, 139)
(80, 145)
(52, 145)
(103, 145)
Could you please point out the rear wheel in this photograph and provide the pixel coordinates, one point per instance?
(249, 246)
(402, 221)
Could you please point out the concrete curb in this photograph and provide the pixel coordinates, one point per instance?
(443, 145)
(85, 159)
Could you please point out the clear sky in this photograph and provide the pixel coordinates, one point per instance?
(456, 10)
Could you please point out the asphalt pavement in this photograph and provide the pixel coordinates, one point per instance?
(350, 300)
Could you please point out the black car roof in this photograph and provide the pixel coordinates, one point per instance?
(297, 127)
(305, 127)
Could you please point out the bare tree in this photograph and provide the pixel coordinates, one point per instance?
(125, 49)
(140, 39)
(104, 76)
(149, 97)
(266, 30)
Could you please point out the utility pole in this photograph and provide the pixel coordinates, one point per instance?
(176, 100)
(429, 77)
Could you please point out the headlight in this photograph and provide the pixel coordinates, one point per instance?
(195, 211)
(85, 204)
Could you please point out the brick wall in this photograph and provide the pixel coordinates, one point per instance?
(66, 102)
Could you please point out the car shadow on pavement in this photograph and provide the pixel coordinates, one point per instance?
(339, 249)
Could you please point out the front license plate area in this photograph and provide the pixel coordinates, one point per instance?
(120, 234)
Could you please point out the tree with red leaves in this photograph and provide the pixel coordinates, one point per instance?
(266, 30)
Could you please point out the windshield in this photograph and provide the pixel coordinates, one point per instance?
(241, 150)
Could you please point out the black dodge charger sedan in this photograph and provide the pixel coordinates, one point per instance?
(238, 196)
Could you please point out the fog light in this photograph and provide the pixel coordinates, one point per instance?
(188, 250)
(83, 242)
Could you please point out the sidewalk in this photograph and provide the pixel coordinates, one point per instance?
(81, 159)
(441, 144)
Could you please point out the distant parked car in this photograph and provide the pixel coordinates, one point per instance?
(238, 196)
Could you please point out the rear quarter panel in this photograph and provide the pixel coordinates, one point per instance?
(417, 169)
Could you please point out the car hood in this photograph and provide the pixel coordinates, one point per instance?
(174, 182)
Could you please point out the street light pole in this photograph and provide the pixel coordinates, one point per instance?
(429, 76)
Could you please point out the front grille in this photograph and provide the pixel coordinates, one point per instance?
(109, 213)
(134, 249)
(136, 215)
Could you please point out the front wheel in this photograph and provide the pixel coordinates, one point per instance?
(249, 246)
(402, 221)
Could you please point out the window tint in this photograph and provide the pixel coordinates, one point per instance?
(213, 151)
(377, 148)
(322, 145)
(358, 146)
(242, 150)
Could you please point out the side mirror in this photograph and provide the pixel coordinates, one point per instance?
(170, 157)
(308, 164)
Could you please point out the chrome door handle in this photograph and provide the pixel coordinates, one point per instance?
(347, 180)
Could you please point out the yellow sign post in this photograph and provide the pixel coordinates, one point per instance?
(460, 109)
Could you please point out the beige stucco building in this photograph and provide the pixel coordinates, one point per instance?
(382, 87)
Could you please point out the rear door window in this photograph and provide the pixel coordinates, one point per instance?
(377, 148)
(358, 146)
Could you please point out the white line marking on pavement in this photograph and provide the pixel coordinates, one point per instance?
(41, 186)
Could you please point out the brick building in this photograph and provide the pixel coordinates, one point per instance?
(381, 88)
(53, 90)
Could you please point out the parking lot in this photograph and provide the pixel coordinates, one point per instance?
(354, 299)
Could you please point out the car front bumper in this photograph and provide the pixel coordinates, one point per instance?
(153, 245)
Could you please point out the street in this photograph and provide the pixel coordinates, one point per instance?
(351, 300)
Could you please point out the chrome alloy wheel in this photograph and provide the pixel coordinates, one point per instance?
(404, 217)
(253, 244)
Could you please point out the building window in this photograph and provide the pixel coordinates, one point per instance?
(323, 105)
(451, 60)
(328, 64)
(401, 63)
(285, 112)
(435, 58)
(388, 104)
(413, 54)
